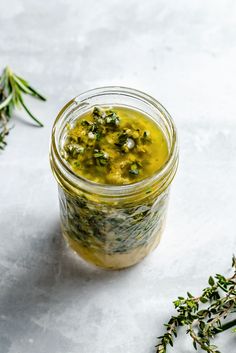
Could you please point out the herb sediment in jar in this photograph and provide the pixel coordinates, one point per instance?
(115, 146)
(112, 235)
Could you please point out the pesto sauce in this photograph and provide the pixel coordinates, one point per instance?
(114, 146)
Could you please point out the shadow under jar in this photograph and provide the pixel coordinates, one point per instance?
(113, 226)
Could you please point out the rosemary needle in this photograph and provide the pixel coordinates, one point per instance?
(12, 89)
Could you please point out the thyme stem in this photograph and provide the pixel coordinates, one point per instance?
(221, 296)
(226, 326)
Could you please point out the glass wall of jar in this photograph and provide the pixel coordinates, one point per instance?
(113, 226)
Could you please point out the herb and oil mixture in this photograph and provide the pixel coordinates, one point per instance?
(115, 146)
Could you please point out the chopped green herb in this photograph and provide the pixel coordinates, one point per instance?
(127, 144)
(134, 171)
(134, 168)
(97, 112)
(76, 164)
(146, 137)
(101, 157)
(85, 123)
(74, 150)
(112, 118)
(122, 139)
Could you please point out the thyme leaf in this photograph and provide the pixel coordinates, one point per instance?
(202, 324)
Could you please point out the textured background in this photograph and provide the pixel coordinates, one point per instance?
(183, 53)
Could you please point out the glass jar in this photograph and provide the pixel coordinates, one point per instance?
(113, 226)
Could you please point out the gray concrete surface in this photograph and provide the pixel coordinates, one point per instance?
(183, 53)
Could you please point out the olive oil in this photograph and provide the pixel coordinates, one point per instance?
(117, 146)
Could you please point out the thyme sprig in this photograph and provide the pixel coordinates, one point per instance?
(202, 324)
(12, 89)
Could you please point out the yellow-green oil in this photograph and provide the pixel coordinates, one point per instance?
(125, 150)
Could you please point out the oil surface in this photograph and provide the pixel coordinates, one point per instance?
(115, 146)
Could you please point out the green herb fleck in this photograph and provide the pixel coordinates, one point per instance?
(135, 168)
(146, 137)
(97, 112)
(122, 139)
(74, 150)
(85, 123)
(101, 157)
(112, 118)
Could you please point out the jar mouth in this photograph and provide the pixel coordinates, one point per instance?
(111, 189)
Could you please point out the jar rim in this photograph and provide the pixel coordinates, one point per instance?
(110, 189)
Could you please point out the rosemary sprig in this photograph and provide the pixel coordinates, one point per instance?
(12, 88)
(202, 324)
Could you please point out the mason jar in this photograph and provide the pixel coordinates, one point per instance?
(113, 226)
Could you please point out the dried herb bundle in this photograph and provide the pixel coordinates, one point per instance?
(202, 324)
(12, 88)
